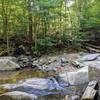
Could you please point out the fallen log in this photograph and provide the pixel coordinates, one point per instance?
(91, 92)
(93, 46)
(92, 49)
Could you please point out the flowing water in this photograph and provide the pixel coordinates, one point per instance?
(15, 76)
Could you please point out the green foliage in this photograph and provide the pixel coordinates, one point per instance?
(42, 21)
(91, 16)
(43, 44)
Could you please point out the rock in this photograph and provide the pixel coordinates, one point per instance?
(64, 60)
(89, 57)
(75, 97)
(94, 71)
(16, 95)
(78, 77)
(77, 64)
(23, 58)
(42, 61)
(66, 97)
(7, 65)
(9, 58)
(51, 60)
(50, 69)
(25, 61)
(35, 63)
(63, 76)
(98, 58)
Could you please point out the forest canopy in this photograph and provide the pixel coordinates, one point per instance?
(44, 23)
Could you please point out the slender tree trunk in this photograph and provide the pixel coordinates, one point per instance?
(5, 24)
(78, 9)
(30, 27)
(69, 18)
(65, 17)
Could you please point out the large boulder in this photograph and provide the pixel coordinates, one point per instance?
(94, 71)
(16, 95)
(78, 77)
(8, 65)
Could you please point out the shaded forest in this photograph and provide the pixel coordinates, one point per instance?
(41, 25)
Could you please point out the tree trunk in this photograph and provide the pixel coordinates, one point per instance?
(30, 22)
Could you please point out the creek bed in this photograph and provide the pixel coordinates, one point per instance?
(13, 77)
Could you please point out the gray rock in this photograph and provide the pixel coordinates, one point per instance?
(16, 95)
(94, 71)
(51, 60)
(35, 63)
(98, 58)
(75, 97)
(25, 61)
(42, 61)
(9, 58)
(23, 58)
(6, 65)
(78, 77)
(64, 60)
(77, 64)
(49, 68)
(89, 57)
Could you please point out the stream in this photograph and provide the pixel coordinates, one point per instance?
(38, 83)
(41, 83)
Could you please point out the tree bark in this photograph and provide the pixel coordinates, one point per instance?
(30, 21)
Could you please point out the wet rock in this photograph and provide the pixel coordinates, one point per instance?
(16, 95)
(7, 65)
